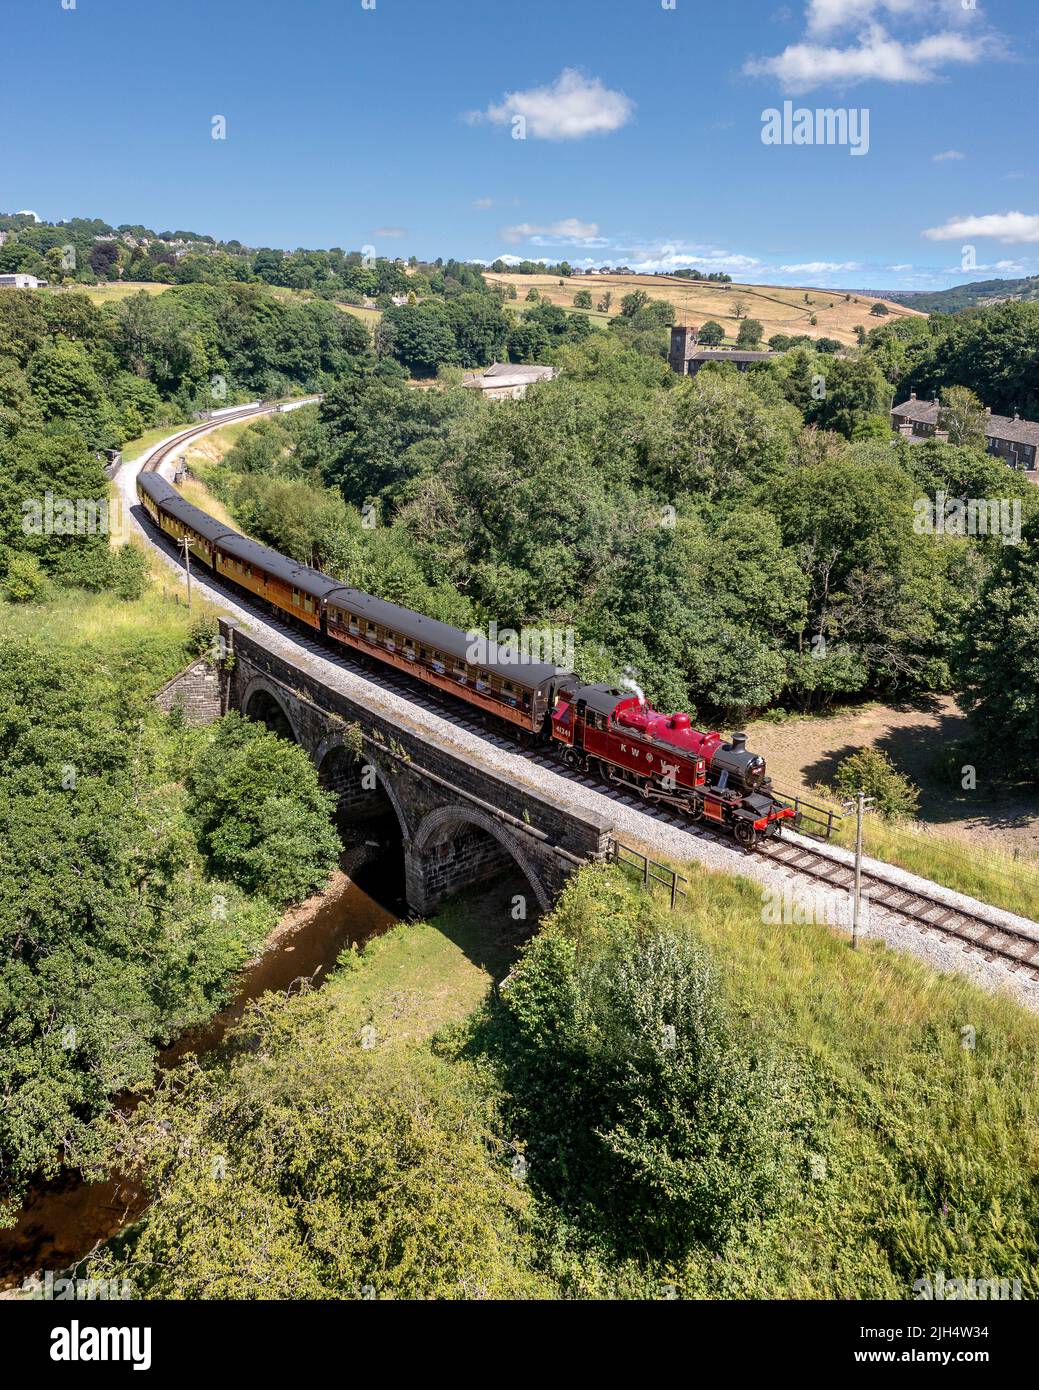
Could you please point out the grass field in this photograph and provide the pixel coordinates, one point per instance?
(779, 308)
(146, 636)
(113, 293)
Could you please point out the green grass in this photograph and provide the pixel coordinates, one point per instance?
(419, 977)
(147, 638)
(134, 448)
(928, 1148)
(981, 868)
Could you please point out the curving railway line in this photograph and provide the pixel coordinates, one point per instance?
(930, 910)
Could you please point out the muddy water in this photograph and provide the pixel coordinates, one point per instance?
(64, 1219)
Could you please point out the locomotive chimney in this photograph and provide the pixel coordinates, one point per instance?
(739, 742)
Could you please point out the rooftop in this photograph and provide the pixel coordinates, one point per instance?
(509, 374)
(1015, 429)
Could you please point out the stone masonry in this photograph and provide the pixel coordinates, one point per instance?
(198, 690)
(461, 820)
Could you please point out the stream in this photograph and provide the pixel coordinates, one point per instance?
(64, 1218)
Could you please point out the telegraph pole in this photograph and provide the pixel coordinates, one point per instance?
(187, 565)
(861, 804)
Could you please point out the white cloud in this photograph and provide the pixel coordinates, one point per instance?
(483, 203)
(567, 229)
(26, 212)
(1008, 227)
(671, 255)
(907, 266)
(947, 155)
(390, 231)
(820, 267)
(825, 16)
(803, 66)
(570, 108)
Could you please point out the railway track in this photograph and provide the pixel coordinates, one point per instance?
(1015, 948)
(159, 456)
(994, 940)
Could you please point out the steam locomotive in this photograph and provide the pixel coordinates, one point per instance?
(599, 728)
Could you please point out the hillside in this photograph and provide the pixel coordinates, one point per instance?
(779, 308)
(977, 294)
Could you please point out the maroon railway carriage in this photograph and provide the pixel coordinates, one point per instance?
(666, 760)
(617, 734)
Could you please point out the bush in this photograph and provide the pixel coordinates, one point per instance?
(643, 1112)
(263, 819)
(343, 1174)
(129, 572)
(203, 635)
(873, 772)
(26, 581)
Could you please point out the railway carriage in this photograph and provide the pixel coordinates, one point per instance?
(618, 734)
(506, 685)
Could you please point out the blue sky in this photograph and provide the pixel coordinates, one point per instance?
(393, 127)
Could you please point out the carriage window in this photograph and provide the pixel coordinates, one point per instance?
(295, 597)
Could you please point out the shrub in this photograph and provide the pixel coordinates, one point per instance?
(202, 637)
(873, 772)
(26, 581)
(129, 572)
(263, 819)
(643, 1112)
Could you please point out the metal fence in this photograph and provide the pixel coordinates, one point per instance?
(648, 870)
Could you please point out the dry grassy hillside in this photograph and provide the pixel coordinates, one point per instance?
(779, 308)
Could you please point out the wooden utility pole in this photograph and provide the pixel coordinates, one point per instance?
(187, 565)
(861, 804)
(860, 801)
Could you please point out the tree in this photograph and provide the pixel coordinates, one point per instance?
(533, 295)
(1000, 656)
(963, 416)
(421, 338)
(348, 1171)
(870, 771)
(879, 310)
(633, 302)
(711, 334)
(262, 817)
(605, 302)
(643, 1110)
(583, 299)
(68, 390)
(739, 308)
(750, 334)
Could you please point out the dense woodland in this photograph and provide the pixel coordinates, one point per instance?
(737, 543)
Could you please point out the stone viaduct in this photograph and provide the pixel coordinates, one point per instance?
(462, 819)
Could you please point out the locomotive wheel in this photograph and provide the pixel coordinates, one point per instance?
(745, 834)
(695, 809)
